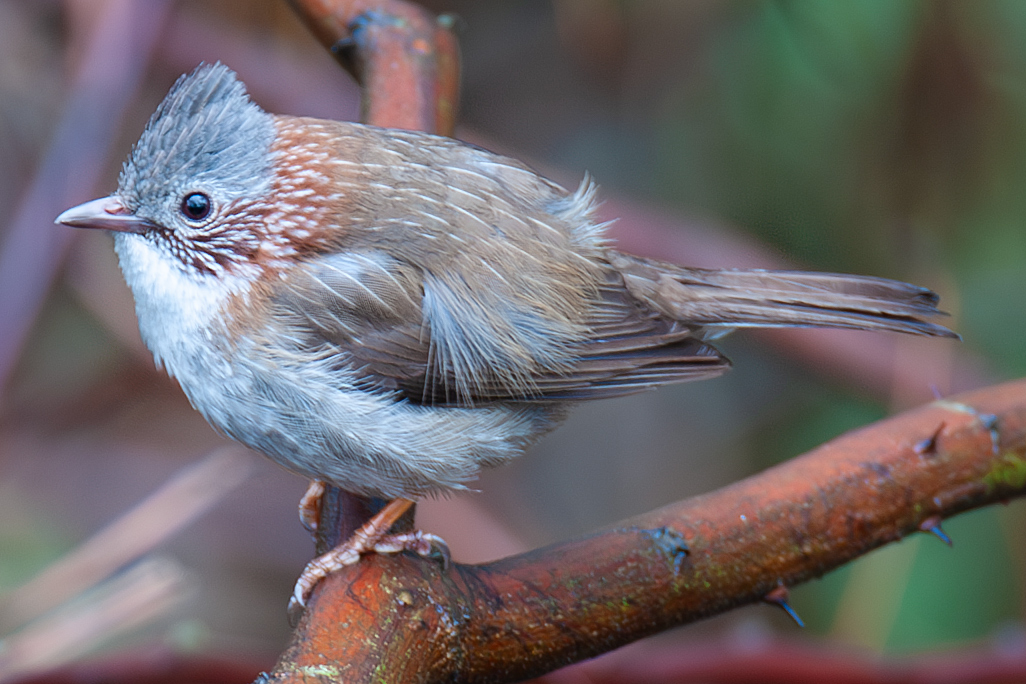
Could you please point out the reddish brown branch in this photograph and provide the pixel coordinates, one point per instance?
(405, 59)
(403, 619)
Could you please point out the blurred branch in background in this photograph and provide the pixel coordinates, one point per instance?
(103, 604)
(406, 59)
(115, 41)
(113, 608)
(160, 516)
(747, 658)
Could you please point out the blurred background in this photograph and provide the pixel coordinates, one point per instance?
(878, 137)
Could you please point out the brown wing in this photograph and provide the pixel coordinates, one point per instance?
(367, 309)
(629, 349)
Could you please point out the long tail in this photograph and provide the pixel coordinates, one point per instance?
(774, 299)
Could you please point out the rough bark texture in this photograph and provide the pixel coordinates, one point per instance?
(406, 59)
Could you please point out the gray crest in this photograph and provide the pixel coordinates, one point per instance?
(206, 135)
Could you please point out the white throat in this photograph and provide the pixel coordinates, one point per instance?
(180, 310)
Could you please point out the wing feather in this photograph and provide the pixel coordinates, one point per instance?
(380, 320)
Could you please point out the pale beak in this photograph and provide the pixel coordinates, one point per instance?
(107, 213)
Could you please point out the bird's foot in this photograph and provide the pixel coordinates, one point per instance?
(371, 537)
(423, 544)
(310, 506)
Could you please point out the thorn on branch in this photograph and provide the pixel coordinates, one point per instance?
(670, 542)
(779, 597)
(990, 421)
(928, 446)
(932, 525)
(344, 51)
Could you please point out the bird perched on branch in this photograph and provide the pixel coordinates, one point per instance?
(390, 311)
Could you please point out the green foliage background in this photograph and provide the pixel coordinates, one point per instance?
(884, 137)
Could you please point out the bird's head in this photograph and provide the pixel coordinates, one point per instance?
(198, 185)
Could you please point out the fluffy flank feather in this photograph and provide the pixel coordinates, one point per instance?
(577, 209)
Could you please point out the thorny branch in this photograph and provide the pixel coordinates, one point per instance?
(404, 619)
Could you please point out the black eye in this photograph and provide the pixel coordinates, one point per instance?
(196, 206)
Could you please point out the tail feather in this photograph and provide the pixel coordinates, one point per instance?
(773, 299)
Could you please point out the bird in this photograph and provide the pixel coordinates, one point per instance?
(391, 311)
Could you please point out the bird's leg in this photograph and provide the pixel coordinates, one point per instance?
(371, 536)
(310, 506)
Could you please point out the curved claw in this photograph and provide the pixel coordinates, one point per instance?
(372, 536)
(422, 543)
(295, 609)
